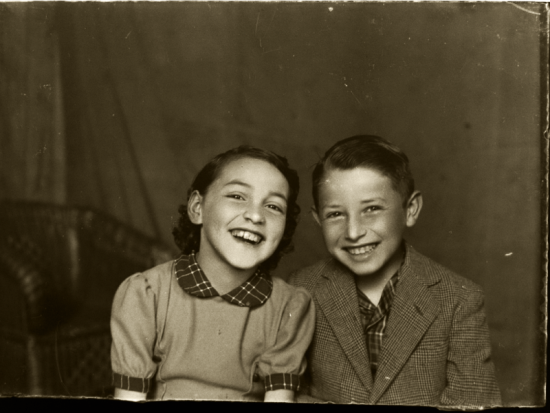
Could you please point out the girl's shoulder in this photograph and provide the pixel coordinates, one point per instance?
(160, 271)
(151, 279)
(284, 292)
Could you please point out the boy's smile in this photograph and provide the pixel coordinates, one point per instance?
(243, 215)
(363, 219)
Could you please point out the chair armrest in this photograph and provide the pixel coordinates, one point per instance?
(29, 301)
(109, 252)
(104, 233)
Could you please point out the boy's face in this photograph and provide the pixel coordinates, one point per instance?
(243, 214)
(363, 219)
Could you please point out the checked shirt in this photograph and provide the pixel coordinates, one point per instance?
(374, 319)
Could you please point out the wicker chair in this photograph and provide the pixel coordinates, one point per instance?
(59, 269)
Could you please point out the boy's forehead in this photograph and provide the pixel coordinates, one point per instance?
(356, 182)
(358, 175)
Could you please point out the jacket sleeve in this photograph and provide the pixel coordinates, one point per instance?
(471, 378)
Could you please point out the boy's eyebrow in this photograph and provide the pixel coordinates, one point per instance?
(368, 201)
(272, 193)
(365, 201)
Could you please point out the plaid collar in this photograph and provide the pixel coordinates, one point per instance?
(366, 307)
(252, 293)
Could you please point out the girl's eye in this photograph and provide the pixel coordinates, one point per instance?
(275, 208)
(372, 208)
(335, 214)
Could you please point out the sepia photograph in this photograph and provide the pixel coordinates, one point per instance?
(274, 201)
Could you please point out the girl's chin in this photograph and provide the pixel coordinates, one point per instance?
(246, 265)
(247, 259)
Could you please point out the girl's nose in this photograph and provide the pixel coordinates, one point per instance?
(355, 229)
(254, 214)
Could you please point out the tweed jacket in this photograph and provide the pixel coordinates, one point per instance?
(436, 350)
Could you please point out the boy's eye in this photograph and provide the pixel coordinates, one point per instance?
(372, 208)
(334, 214)
(235, 196)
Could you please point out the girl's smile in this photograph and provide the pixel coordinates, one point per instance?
(249, 237)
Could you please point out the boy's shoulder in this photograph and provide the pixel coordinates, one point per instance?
(432, 273)
(421, 267)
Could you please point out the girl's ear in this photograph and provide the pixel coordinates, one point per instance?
(315, 215)
(194, 208)
(414, 205)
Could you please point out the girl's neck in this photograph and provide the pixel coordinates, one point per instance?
(223, 277)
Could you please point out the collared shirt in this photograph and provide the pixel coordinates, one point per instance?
(252, 293)
(171, 328)
(374, 319)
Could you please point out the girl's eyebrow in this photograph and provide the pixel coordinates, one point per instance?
(271, 193)
(331, 206)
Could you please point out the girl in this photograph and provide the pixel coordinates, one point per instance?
(213, 324)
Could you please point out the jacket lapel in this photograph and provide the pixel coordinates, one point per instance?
(337, 298)
(412, 312)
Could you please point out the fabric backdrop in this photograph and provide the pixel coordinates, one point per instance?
(118, 105)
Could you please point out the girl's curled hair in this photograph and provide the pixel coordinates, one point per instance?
(187, 235)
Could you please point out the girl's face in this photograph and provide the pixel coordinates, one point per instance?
(243, 214)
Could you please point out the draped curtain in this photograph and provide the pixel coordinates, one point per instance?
(32, 149)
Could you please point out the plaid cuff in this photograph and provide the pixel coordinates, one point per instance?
(283, 381)
(131, 383)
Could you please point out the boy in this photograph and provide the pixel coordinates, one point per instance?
(393, 326)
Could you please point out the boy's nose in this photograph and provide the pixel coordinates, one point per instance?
(354, 229)
(254, 214)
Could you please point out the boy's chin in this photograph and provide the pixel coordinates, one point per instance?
(360, 272)
(373, 268)
(360, 269)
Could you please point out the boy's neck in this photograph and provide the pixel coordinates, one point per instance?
(373, 285)
(223, 278)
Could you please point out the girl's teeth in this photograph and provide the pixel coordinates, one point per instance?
(247, 236)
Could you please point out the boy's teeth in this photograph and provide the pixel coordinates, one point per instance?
(362, 250)
(249, 236)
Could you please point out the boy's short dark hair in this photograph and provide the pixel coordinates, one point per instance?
(367, 151)
(187, 235)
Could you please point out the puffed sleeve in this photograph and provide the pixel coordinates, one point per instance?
(282, 365)
(470, 370)
(133, 329)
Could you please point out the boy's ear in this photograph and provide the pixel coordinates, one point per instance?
(194, 208)
(414, 205)
(315, 215)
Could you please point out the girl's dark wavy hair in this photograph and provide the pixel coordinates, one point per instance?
(187, 235)
(367, 151)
